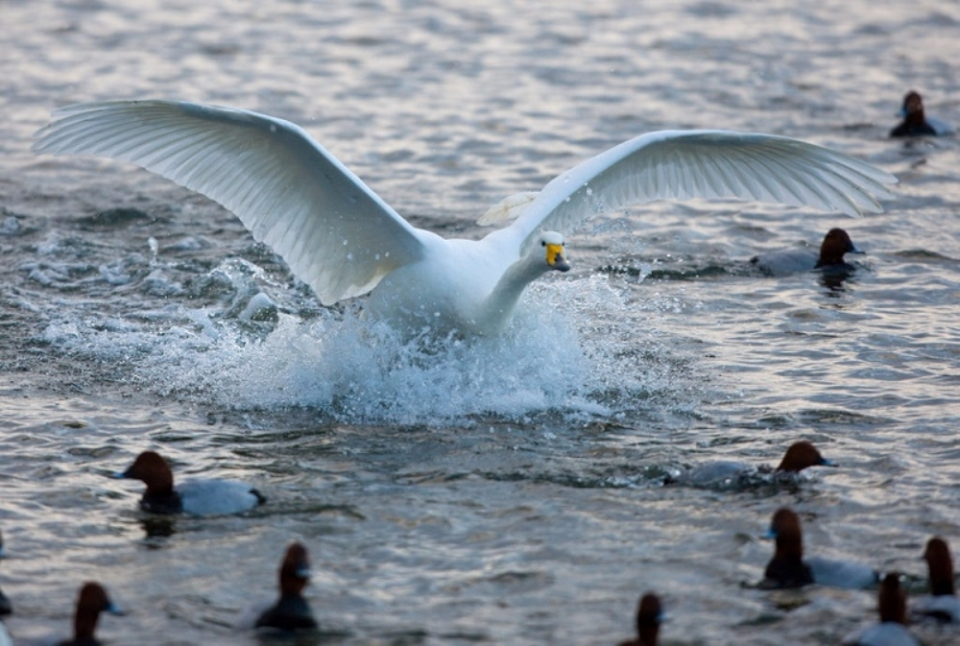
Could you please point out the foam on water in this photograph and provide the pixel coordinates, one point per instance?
(359, 371)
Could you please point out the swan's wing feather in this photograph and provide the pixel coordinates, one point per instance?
(708, 164)
(509, 208)
(335, 233)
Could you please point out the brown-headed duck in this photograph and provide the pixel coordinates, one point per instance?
(892, 628)
(291, 611)
(5, 606)
(788, 568)
(649, 617)
(915, 123)
(202, 497)
(942, 602)
(830, 258)
(91, 601)
(730, 474)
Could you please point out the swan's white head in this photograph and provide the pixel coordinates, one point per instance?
(552, 243)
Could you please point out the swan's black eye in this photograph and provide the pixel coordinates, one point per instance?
(543, 243)
(563, 244)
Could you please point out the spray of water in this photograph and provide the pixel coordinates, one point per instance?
(576, 349)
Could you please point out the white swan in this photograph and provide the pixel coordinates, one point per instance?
(339, 237)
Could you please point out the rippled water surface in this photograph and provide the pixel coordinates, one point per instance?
(507, 490)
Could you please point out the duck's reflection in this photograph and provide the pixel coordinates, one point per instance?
(158, 527)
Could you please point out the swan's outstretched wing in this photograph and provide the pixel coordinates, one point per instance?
(704, 163)
(336, 234)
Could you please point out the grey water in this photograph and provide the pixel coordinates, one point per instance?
(502, 491)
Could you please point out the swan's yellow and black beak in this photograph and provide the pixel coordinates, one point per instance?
(555, 257)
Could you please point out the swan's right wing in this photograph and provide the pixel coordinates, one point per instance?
(334, 232)
(703, 163)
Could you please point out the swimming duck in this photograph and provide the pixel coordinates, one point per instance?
(91, 601)
(836, 243)
(649, 617)
(915, 123)
(291, 611)
(892, 629)
(343, 240)
(202, 497)
(5, 606)
(728, 473)
(942, 602)
(788, 568)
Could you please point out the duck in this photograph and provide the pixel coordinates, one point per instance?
(836, 243)
(942, 602)
(728, 473)
(200, 497)
(649, 617)
(788, 568)
(344, 241)
(915, 123)
(892, 629)
(91, 601)
(5, 606)
(291, 611)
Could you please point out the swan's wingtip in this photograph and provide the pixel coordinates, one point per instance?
(887, 179)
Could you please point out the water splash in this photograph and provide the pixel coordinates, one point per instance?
(576, 351)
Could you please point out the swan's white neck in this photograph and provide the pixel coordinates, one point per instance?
(497, 310)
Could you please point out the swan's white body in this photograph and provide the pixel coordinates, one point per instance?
(339, 237)
(464, 284)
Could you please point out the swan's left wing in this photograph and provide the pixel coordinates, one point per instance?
(336, 234)
(704, 163)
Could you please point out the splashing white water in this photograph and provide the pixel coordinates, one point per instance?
(583, 354)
